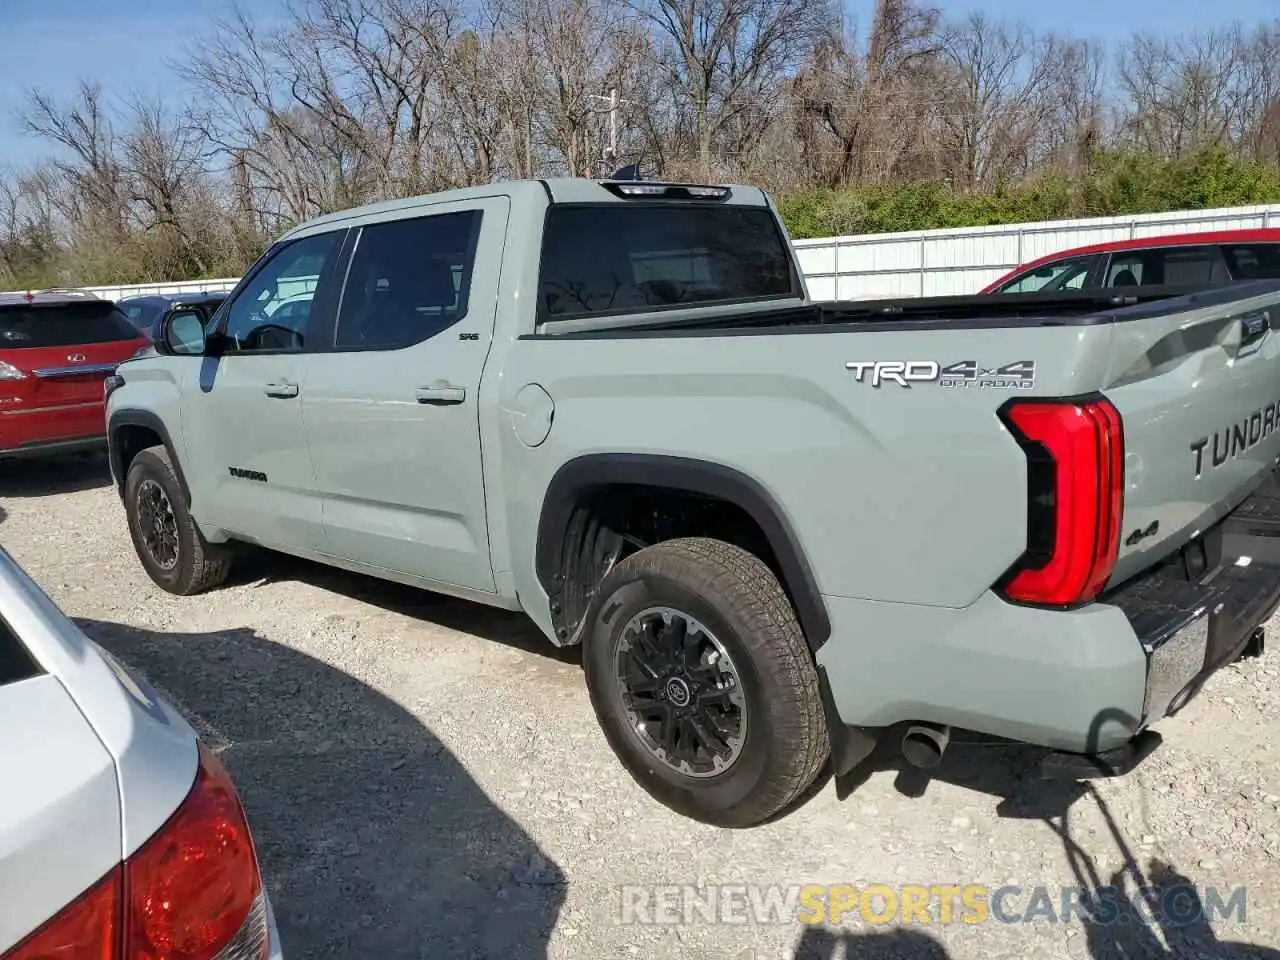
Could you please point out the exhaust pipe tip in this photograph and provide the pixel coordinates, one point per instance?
(923, 746)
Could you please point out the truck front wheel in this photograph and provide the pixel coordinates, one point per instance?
(168, 543)
(702, 682)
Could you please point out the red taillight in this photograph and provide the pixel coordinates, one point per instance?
(193, 892)
(87, 929)
(1075, 466)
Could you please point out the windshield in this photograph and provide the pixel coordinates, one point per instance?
(142, 314)
(618, 258)
(64, 325)
(1063, 275)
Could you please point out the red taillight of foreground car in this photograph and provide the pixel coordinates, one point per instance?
(192, 892)
(87, 929)
(1075, 481)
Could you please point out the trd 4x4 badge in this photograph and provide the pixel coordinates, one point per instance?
(1020, 375)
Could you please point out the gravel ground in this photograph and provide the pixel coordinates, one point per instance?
(426, 779)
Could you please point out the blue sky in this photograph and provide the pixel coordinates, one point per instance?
(127, 45)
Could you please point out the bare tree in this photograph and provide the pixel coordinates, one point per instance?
(861, 114)
(722, 58)
(1182, 93)
(999, 99)
(342, 102)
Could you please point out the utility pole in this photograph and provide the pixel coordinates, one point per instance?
(614, 102)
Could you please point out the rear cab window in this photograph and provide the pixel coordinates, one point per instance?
(63, 324)
(641, 256)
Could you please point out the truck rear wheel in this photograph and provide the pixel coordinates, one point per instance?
(170, 546)
(703, 684)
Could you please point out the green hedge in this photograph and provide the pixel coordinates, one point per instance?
(1115, 184)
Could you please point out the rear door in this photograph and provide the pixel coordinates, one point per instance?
(392, 406)
(60, 824)
(53, 359)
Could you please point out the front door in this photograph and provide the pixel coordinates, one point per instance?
(392, 410)
(242, 415)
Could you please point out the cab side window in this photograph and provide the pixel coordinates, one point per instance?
(409, 280)
(1260, 261)
(273, 313)
(1167, 266)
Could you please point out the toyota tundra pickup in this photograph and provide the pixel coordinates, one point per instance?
(780, 530)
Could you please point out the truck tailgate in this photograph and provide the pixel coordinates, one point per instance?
(1199, 394)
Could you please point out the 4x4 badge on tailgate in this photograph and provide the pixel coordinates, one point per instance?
(1020, 375)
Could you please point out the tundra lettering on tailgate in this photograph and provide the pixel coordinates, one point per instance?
(1236, 438)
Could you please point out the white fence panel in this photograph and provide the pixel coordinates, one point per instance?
(965, 259)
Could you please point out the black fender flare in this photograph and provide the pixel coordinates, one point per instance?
(148, 420)
(580, 475)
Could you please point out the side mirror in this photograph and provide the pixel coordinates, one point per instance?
(182, 334)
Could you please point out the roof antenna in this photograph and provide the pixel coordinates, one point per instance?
(630, 172)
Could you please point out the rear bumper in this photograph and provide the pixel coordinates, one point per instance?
(1083, 681)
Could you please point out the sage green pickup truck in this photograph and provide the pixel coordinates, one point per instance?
(781, 530)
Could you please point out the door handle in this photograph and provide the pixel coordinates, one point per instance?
(441, 393)
(282, 389)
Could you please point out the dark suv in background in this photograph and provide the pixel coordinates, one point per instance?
(147, 313)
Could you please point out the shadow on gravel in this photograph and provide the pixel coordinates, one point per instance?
(46, 476)
(501, 626)
(1156, 912)
(374, 840)
(1123, 916)
(818, 943)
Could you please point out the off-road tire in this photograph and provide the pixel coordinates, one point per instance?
(736, 596)
(200, 566)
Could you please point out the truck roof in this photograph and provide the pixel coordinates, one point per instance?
(556, 190)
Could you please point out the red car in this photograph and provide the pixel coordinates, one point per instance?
(1184, 259)
(56, 348)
